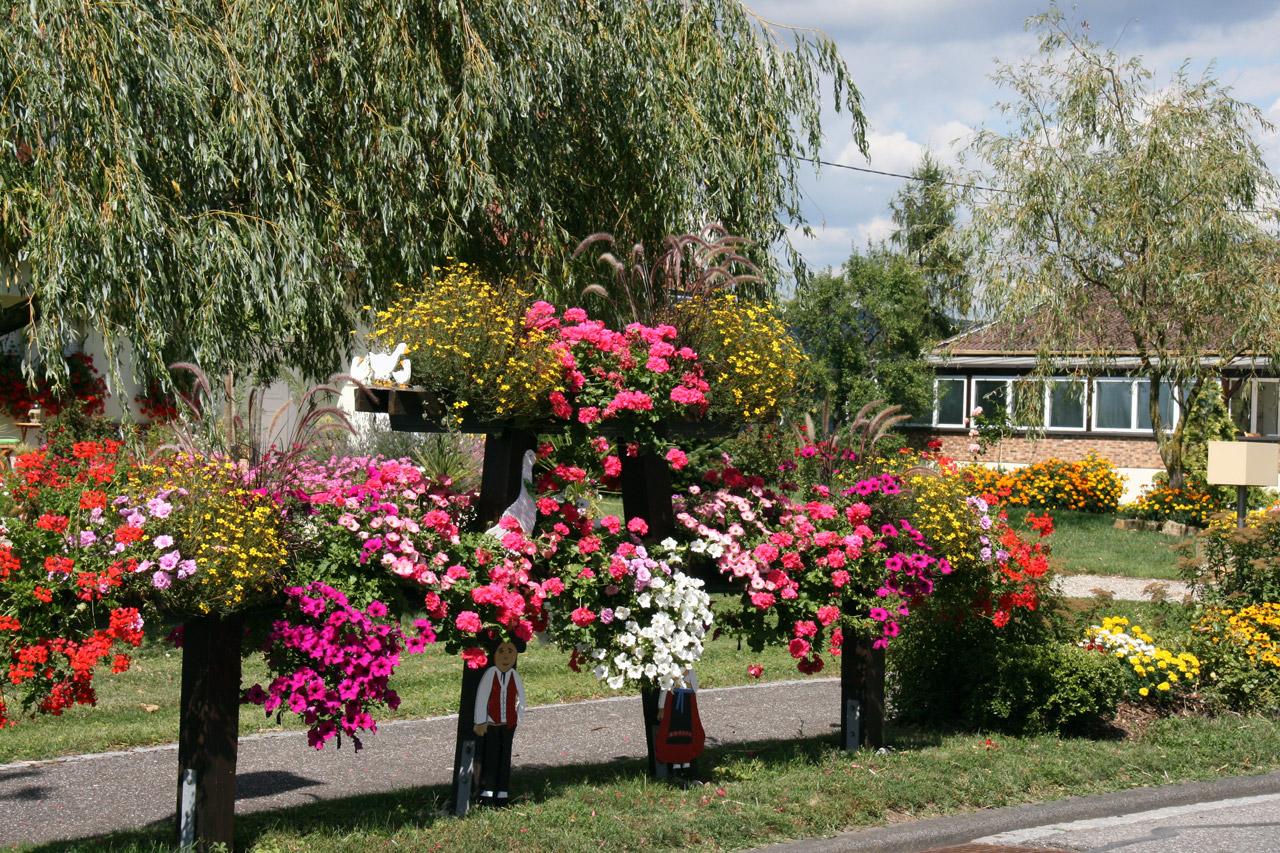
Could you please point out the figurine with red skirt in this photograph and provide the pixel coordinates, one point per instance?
(680, 738)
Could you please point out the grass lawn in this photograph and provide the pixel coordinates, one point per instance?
(140, 707)
(757, 794)
(1088, 544)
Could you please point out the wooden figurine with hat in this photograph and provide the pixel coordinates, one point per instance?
(499, 703)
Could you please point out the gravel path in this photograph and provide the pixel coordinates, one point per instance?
(1127, 589)
(45, 800)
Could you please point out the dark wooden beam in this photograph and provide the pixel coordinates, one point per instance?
(18, 316)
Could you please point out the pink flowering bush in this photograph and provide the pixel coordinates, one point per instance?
(627, 611)
(334, 663)
(638, 379)
(812, 571)
(369, 523)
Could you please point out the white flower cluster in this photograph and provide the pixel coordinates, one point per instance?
(1117, 642)
(661, 637)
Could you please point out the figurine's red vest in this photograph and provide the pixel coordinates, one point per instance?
(495, 709)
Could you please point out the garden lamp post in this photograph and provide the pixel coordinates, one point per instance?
(1243, 464)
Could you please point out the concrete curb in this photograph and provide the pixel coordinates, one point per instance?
(924, 835)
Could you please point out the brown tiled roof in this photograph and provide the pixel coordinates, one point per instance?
(1101, 330)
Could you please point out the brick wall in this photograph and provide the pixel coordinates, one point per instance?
(1123, 451)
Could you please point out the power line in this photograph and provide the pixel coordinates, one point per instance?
(961, 185)
(904, 177)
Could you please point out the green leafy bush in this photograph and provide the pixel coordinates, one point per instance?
(1238, 566)
(1017, 681)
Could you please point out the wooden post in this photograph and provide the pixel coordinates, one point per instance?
(208, 729)
(464, 751)
(646, 492)
(861, 695)
(499, 486)
(500, 477)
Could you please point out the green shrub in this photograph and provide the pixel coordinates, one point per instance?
(1018, 681)
(1238, 566)
(1086, 688)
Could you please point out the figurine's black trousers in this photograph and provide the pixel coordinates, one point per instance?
(495, 759)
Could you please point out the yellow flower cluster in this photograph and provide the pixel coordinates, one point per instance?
(1188, 506)
(1155, 668)
(940, 513)
(466, 342)
(1254, 630)
(1091, 484)
(1226, 520)
(752, 362)
(233, 534)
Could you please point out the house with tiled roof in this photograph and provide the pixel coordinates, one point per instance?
(1091, 400)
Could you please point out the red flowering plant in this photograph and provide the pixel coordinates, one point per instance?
(84, 384)
(813, 570)
(334, 662)
(157, 403)
(64, 573)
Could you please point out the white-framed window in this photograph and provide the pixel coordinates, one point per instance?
(1122, 404)
(950, 407)
(1057, 403)
(1255, 408)
(1064, 403)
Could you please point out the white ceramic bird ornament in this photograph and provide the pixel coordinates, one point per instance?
(383, 367)
(523, 509)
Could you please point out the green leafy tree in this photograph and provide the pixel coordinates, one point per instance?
(867, 328)
(924, 219)
(1117, 197)
(233, 182)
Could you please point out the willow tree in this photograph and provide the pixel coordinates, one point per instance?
(1116, 198)
(232, 182)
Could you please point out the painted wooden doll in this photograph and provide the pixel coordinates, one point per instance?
(499, 703)
(680, 738)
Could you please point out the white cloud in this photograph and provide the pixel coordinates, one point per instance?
(876, 230)
(898, 152)
(924, 72)
(890, 152)
(828, 247)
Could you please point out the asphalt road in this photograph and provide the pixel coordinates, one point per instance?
(1233, 815)
(1233, 825)
(45, 801)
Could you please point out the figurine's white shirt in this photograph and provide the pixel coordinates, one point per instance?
(486, 685)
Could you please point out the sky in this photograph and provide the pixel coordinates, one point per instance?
(924, 70)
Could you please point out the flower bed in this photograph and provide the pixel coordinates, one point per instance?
(84, 384)
(1089, 485)
(1155, 674)
(1186, 506)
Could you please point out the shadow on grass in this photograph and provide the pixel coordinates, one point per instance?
(421, 808)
